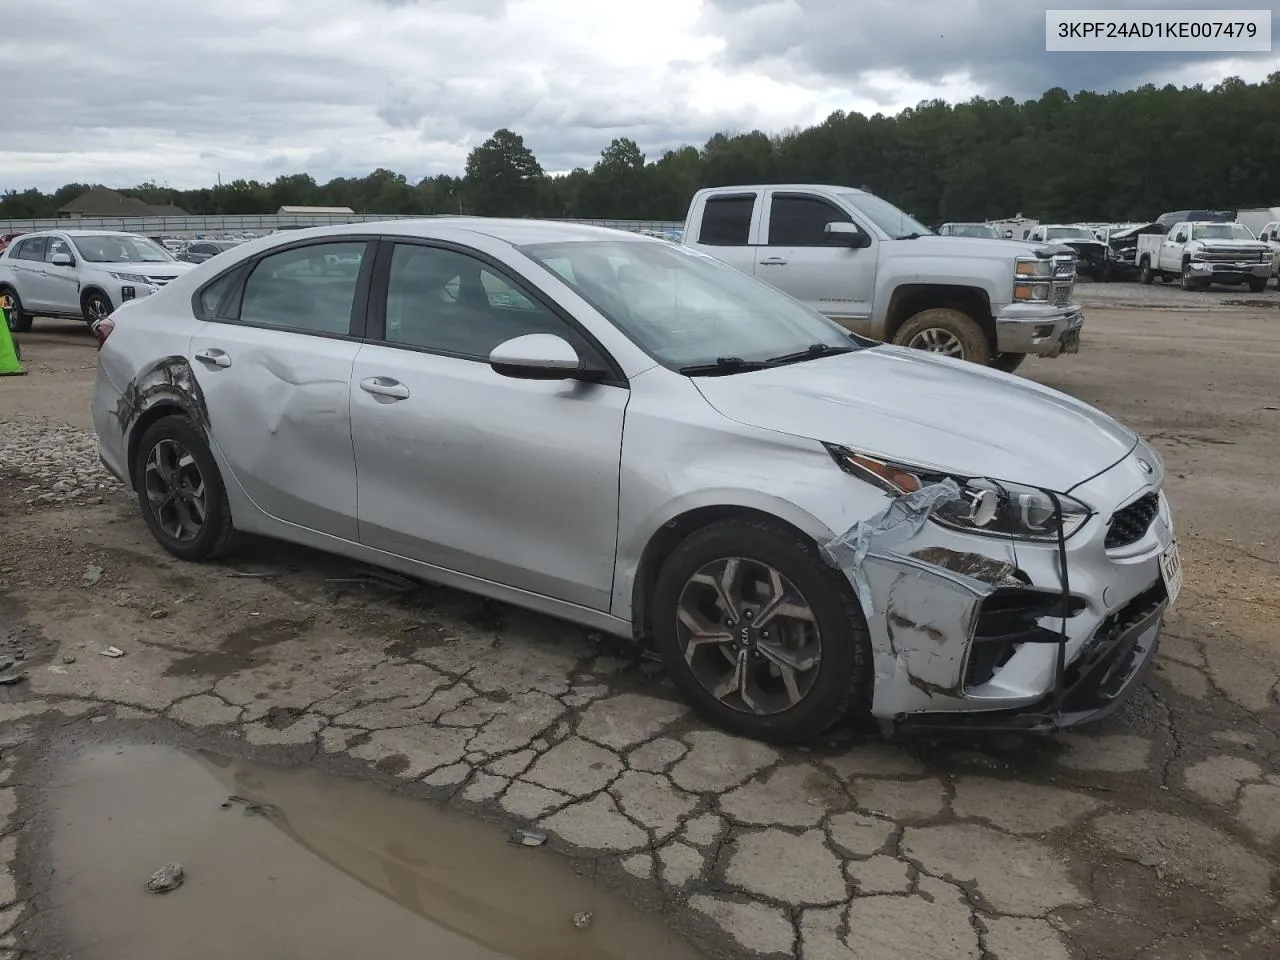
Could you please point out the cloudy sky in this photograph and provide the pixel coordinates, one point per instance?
(134, 90)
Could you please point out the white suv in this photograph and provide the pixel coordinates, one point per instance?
(81, 274)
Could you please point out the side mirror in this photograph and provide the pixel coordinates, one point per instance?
(847, 234)
(538, 356)
(62, 260)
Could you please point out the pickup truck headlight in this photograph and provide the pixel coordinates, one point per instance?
(986, 507)
(1031, 291)
(1033, 268)
(130, 278)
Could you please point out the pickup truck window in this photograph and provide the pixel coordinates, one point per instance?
(894, 222)
(1222, 231)
(726, 221)
(798, 221)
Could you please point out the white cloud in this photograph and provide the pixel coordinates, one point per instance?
(150, 89)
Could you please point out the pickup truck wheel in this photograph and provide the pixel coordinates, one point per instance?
(1257, 284)
(764, 637)
(1146, 275)
(946, 331)
(1189, 282)
(95, 307)
(19, 322)
(1008, 362)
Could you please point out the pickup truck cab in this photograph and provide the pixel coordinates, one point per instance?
(1203, 252)
(880, 273)
(81, 274)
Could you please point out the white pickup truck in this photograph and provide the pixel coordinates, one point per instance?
(877, 271)
(1201, 253)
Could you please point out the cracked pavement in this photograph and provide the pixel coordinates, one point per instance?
(1155, 835)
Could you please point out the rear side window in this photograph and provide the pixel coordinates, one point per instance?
(32, 249)
(802, 221)
(310, 289)
(726, 221)
(211, 297)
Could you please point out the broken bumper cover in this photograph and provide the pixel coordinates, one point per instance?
(968, 631)
(1036, 329)
(1234, 271)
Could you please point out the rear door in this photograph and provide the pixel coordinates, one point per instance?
(274, 364)
(30, 273)
(727, 224)
(797, 257)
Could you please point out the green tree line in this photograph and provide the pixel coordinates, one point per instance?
(1114, 156)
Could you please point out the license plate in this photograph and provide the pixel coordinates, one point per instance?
(1171, 571)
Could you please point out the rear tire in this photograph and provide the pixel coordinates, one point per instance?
(947, 331)
(1146, 274)
(19, 322)
(822, 626)
(180, 491)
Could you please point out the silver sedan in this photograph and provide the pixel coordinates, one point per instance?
(635, 437)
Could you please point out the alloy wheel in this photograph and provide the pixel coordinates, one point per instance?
(749, 636)
(937, 340)
(97, 309)
(175, 490)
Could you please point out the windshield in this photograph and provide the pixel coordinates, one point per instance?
(974, 230)
(1222, 231)
(1068, 233)
(886, 216)
(684, 308)
(120, 248)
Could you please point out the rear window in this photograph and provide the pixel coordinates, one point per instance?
(726, 221)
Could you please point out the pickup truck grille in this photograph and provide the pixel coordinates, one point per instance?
(1232, 256)
(1062, 294)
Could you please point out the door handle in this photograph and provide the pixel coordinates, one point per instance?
(773, 262)
(384, 387)
(215, 358)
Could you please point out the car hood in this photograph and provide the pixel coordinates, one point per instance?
(972, 247)
(1241, 246)
(146, 269)
(929, 411)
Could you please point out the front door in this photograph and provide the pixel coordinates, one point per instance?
(798, 258)
(276, 379)
(512, 481)
(62, 282)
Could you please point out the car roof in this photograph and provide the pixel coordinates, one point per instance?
(517, 232)
(83, 233)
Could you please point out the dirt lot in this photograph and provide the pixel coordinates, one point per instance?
(1154, 836)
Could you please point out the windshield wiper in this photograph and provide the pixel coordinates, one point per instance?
(809, 353)
(722, 365)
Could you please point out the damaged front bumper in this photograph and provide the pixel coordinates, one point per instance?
(968, 631)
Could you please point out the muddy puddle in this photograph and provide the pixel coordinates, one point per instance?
(322, 867)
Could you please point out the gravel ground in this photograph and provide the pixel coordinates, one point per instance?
(58, 464)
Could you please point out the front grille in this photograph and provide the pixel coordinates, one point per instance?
(1061, 294)
(158, 281)
(1129, 524)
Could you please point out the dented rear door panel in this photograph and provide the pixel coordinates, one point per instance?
(280, 419)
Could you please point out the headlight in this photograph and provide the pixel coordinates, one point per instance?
(987, 507)
(1033, 267)
(130, 278)
(1031, 291)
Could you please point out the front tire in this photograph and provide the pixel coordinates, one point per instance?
(760, 634)
(95, 306)
(944, 330)
(1257, 284)
(180, 491)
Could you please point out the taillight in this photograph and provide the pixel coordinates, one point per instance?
(102, 329)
